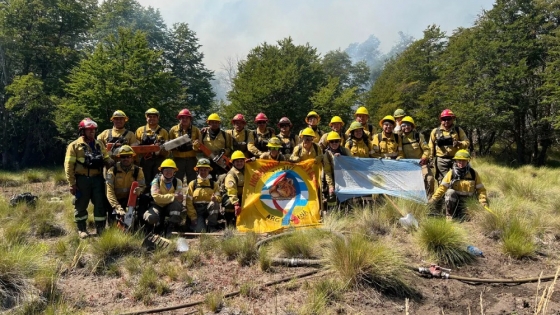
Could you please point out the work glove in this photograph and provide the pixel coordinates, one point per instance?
(399, 158)
(423, 161)
(138, 191)
(253, 159)
(388, 158)
(237, 208)
(120, 211)
(179, 197)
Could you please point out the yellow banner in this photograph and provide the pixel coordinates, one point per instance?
(277, 195)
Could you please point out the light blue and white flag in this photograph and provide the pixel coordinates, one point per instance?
(357, 177)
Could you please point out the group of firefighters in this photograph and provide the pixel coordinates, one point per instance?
(102, 169)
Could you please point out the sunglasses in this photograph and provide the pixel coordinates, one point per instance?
(261, 122)
(284, 125)
(126, 156)
(334, 141)
(306, 138)
(446, 119)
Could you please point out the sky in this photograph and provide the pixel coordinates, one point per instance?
(229, 29)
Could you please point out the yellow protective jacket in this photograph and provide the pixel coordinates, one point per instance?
(359, 147)
(387, 146)
(114, 134)
(239, 140)
(234, 184)
(221, 141)
(465, 187)
(289, 141)
(302, 154)
(328, 165)
(318, 134)
(186, 150)
(147, 136)
(118, 182)
(161, 194)
(266, 156)
(76, 156)
(324, 143)
(439, 134)
(201, 194)
(415, 146)
(257, 145)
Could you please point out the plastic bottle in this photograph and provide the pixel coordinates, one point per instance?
(475, 251)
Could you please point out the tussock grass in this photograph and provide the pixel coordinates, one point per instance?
(242, 248)
(300, 244)
(112, 244)
(208, 244)
(446, 240)
(133, 264)
(59, 177)
(10, 179)
(322, 294)
(359, 262)
(192, 258)
(518, 239)
(375, 222)
(148, 284)
(214, 301)
(36, 175)
(249, 289)
(265, 263)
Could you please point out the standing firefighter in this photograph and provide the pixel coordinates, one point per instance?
(217, 141)
(358, 142)
(307, 149)
(118, 135)
(445, 141)
(167, 194)
(239, 134)
(258, 138)
(83, 165)
(274, 146)
(200, 193)
(312, 120)
(336, 125)
(288, 138)
(185, 155)
(149, 134)
(460, 183)
(234, 185)
(119, 178)
(334, 148)
(386, 144)
(399, 114)
(415, 147)
(362, 116)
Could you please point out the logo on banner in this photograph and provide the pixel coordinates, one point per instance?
(282, 192)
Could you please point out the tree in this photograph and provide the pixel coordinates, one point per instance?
(278, 80)
(184, 60)
(122, 73)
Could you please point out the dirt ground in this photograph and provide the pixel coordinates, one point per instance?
(94, 294)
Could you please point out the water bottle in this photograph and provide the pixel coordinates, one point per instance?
(475, 251)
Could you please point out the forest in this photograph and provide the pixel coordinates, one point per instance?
(61, 61)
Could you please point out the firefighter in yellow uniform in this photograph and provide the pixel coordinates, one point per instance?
(274, 145)
(362, 116)
(334, 148)
(415, 147)
(445, 141)
(200, 193)
(217, 141)
(399, 114)
(312, 120)
(289, 139)
(386, 144)
(234, 185)
(149, 134)
(83, 165)
(307, 149)
(259, 137)
(118, 135)
(460, 183)
(119, 178)
(336, 125)
(185, 155)
(358, 142)
(239, 134)
(167, 194)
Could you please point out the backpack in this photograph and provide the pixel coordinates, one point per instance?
(380, 138)
(205, 132)
(110, 138)
(416, 137)
(445, 141)
(286, 147)
(147, 140)
(158, 177)
(315, 147)
(261, 145)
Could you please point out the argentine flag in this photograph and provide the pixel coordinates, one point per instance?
(357, 177)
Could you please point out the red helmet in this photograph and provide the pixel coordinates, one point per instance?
(238, 117)
(184, 112)
(87, 123)
(284, 120)
(447, 113)
(261, 117)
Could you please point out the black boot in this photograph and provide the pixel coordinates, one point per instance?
(99, 227)
(82, 229)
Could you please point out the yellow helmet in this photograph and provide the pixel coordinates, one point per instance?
(307, 132)
(462, 155)
(355, 125)
(312, 114)
(361, 111)
(203, 162)
(387, 118)
(119, 113)
(399, 113)
(333, 135)
(237, 155)
(408, 119)
(126, 150)
(336, 119)
(214, 117)
(168, 163)
(152, 111)
(274, 143)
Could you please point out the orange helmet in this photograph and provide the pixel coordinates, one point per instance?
(184, 113)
